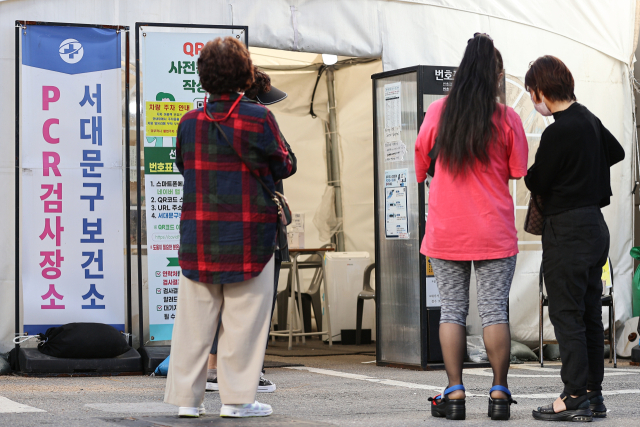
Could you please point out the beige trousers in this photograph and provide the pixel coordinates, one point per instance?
(244, 309)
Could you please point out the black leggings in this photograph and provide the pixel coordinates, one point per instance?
(575, 246)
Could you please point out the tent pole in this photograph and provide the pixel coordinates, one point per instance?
(327, 150)
(335, 159)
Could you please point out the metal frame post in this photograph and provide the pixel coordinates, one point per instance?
(127, 188)
(335, 158)
(138, 191)
(17, 184)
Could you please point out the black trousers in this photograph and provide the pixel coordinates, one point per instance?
(575, 246)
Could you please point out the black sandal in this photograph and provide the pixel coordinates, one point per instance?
(596, 404)
(500, 409)
(453, 409)
(577, 410)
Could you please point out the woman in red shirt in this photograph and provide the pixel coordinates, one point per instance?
(479, 145)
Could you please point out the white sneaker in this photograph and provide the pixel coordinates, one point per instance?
(265, 385)
(255, 409)
(189, 412)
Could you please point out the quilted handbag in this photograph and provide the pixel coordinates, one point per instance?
(534, 220)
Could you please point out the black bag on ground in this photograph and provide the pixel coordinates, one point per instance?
(83, 341)
(13, 359)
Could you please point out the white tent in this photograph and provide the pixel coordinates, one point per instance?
(595, 38)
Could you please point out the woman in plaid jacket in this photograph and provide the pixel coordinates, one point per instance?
(227, 236)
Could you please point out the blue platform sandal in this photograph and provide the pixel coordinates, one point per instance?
(442, 406)
(500, 409)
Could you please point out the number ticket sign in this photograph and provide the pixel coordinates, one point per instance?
(72, 248)
(171, 88)
(163, 194)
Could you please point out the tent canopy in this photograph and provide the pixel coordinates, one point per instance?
(595, 38)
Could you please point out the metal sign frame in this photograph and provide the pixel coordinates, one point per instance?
(139, 25)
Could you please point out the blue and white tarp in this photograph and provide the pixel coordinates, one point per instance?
(72, 214)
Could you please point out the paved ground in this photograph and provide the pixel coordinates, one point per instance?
(335, 390)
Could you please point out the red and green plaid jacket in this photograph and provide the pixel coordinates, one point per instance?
(228, 223)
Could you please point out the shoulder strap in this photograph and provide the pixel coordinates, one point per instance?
(255, 174)
(433, 155)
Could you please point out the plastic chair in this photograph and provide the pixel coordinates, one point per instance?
(366, 293)
(607, 301)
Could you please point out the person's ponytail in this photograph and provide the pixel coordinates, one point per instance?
(466, 128)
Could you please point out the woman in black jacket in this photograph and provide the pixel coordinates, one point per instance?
(571, 173)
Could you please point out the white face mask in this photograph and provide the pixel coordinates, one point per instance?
(541, 107)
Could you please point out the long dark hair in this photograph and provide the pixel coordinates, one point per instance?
(466, 128)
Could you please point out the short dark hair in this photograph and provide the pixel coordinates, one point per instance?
(550, 76)
(224, 66)
(261, 84)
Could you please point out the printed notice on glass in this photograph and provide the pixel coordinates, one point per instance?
(394, 148)
(392, 107)
(394, 151)
(392, 134)
(395, 205)
(433, 294)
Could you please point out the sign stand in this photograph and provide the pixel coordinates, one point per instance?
(160, 79)
(30, 360)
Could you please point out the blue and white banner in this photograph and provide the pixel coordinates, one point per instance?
(72, 215)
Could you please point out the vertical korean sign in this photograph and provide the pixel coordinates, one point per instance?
(72, 177)
(171, 87)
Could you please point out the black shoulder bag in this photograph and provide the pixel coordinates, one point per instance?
(284, 212)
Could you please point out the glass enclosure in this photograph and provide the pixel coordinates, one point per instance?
(398, 257)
